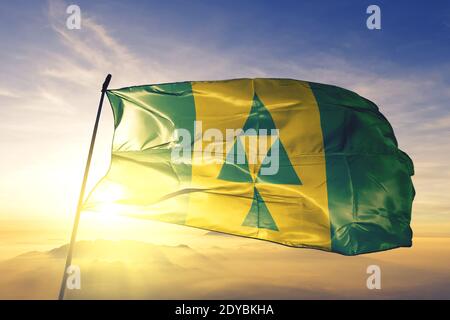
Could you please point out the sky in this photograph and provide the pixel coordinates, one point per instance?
(50, 81)
(51, 78)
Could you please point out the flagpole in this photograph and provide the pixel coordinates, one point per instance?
(83, 188)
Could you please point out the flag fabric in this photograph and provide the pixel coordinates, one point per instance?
(340, 183)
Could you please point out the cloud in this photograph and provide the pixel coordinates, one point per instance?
(4, 92)
(63, 82)
(88, 53)
(439, 123)
(137, 270)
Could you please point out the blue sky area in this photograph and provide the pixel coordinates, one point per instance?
(51, 75)
(415, 34)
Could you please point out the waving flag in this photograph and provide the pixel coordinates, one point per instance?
(298, 163)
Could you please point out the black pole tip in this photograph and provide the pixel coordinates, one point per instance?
(106, 83)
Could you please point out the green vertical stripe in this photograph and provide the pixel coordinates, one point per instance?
(163, 109)
(370, 191)
(171, 101)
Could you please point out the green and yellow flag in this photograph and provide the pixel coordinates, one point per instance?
(298, 163)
